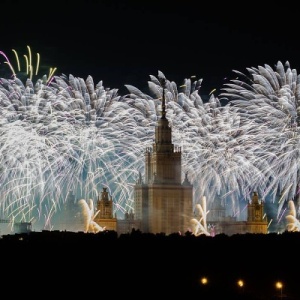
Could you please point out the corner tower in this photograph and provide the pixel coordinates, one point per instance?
(105, 217)
(256, 223)
(255, 209)
(163, 203)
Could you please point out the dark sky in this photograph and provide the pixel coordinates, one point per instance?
(123, 42)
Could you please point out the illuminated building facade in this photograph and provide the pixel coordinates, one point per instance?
(256, 221)
(163, 203)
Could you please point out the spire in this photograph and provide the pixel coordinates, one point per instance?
(163, 103)
(163, 132)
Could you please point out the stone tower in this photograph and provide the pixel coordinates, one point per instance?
(256, 220)
(163, 203)
(255, 209)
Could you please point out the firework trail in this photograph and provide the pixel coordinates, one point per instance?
(271, 97)
(31, 68)
(218, 161)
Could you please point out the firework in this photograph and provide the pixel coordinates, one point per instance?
(200, 225)
(215, 143)
(68, 137)
(293, 224)
(271, 97)
(89, 214)
(31, 67)
(72, 136)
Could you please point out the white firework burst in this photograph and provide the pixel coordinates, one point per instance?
(271, 97)
(68, 136)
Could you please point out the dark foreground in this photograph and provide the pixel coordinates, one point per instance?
(138, 266)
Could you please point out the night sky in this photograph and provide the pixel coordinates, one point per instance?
(123, 42)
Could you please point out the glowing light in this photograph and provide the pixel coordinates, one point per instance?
(279, 286)
(240, 283)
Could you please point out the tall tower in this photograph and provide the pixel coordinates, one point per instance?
(163, 203)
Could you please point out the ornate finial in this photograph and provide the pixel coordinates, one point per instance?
(140, 180)
(186, 180)
(255, 198)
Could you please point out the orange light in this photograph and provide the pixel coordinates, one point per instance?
(240, 283)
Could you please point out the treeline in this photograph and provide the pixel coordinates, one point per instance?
(158, 263)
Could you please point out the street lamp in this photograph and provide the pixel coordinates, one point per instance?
(204, 280)
(279, 285)
(241, 284)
